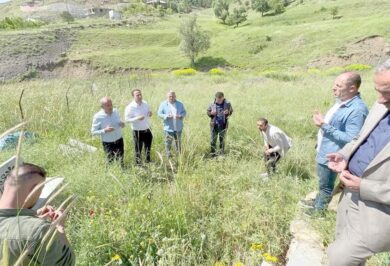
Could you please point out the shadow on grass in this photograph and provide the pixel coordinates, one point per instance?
(208, 62)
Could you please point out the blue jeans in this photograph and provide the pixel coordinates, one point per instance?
(172, 136)
(326, 184)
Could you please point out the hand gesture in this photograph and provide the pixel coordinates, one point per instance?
(226, 112)
(350, 181)
(121, 124)
(149, 114)
(178, 117)
(108, 129)
(336, 162)
(140, 117)
(318, 119)
(49, 213)
(268, 151)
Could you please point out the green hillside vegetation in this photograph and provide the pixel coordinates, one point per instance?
(205, 211)
(297, 37)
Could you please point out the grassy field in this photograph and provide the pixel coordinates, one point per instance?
(206, 211)
(209, 210)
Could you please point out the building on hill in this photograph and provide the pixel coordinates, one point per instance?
(156, 3)
(99, 12)
(114, 15)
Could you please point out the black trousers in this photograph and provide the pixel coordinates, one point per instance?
(114, 150)
(218, 133)
(271, 160)
(142, 138)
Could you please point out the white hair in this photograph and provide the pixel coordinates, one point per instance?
(383, 66)
(105, 100)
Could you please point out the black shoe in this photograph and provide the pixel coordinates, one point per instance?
(307, 203)
(314, 213)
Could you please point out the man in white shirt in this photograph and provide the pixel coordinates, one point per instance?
(107, 123)
(138, 114)
(276, 144)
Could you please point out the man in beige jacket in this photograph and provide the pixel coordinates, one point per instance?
(363, 214)
(276, 144)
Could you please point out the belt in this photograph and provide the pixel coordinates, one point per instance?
(145, 130)
(114, 142)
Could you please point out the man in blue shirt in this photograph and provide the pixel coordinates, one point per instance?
(107, 123)
(172, 112)
(363, 213)
(219, 112)
(338, 127)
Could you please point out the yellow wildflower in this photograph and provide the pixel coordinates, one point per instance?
(116, 257)
(268, 257)
(238, 264)
(256, 246)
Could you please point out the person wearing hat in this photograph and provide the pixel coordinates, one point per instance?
(219, 112)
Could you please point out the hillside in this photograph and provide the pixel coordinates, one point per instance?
(291, 41)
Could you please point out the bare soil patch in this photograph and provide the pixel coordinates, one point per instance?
(369, 51)
(28, 53)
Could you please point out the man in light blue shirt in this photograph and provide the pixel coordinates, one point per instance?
(107, 123)
(338, 127)
(172, 112)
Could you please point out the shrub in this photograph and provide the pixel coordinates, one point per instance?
(67, 17)
(357, 67)
(279, 76)
(313, 71)
(334, 71)
(184, 72)
(257, 49)
(18, 23)
(216, 71)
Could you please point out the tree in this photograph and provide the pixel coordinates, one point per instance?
(334, 11)
(260, 6)
(193, 40)
(238, 16)
(277, 6)
(221, 9)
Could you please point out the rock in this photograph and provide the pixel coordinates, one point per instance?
(306, 248)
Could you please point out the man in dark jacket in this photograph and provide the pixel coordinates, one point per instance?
(219, 111)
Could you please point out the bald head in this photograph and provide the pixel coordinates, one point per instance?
(353, 79)
(171, 96)
(106, 104)
(346, 85)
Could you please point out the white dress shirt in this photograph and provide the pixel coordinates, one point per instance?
(328, 117)
(279, 141)
(133, 111)
(101, 120)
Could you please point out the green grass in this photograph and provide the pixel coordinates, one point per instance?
(297, 37)
(211, 209)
